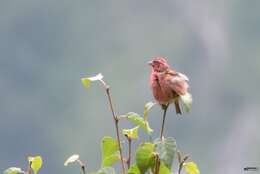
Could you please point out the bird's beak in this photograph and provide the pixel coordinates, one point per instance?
(150, 63)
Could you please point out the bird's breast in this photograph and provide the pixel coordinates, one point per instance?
(161, 92)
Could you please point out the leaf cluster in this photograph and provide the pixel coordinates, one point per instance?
(155, 157)
(34, 165)
(152, 156)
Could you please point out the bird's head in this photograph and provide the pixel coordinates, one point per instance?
(159, 64)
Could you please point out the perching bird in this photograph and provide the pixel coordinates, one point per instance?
(169, 86)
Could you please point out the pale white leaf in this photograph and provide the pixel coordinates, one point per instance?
(71, 159)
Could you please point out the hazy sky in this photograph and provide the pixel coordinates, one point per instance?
(47, 46)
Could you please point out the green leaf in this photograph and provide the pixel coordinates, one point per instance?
(110, 160)
(109, 146)
(187, 101)
(139, 121)
(36, 163)
(13, 170)
(71, 159)
(191, 168)
(87, 80)
(148, 106)
(145, 157)
(164, 169)
(166, 149)
(131, 133)
(133, 170)
(110, 150)
(106, 170)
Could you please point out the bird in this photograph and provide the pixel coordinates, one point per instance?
(169, 86)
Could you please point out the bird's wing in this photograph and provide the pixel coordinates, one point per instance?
(172, 72)
(183, 75)
(178, 82)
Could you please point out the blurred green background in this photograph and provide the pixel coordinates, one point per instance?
(46, 46)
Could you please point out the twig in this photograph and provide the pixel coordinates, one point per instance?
(129, 152)
(82, 165)
(157, 164)
(165, 107)
(28, 171)
(116, 123)
(181, 162)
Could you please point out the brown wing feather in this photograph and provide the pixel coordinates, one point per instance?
(178, 82)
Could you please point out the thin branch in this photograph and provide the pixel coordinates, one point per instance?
(82, 165)
(129, 152)
(181, 162)
(165, 107)
(157, 164)
(28, 171)
(180, 167)
(116, 123)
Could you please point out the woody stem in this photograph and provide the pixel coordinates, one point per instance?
(157, 164)
(165, 107)
(116, 120)
(181, 164)
(28, 171)
(82, 165)
(129, 152)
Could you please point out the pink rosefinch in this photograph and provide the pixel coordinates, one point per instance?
(169, 85)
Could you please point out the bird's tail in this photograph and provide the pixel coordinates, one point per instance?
(177, 106)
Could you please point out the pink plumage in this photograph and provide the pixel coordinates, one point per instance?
(167, 84)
